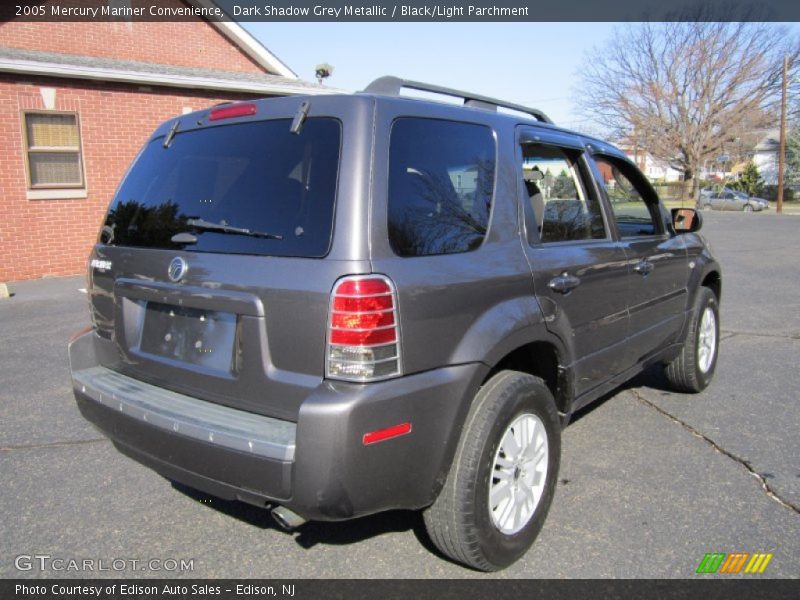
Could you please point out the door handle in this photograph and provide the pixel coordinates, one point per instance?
(564, 283)
(644, 267)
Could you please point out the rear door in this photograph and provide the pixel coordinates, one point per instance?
(579, 269)
(658, 270)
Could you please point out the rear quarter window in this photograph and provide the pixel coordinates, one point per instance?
(441, 181)
(255, 175)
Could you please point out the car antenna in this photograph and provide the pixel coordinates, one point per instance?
(300, 117)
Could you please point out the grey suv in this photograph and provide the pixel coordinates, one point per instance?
(331, 306)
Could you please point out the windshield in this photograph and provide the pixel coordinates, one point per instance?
(741, 195)
(217, 189)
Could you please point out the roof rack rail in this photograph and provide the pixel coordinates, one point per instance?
(391, 86)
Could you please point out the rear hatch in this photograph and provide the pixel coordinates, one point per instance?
(210, 277)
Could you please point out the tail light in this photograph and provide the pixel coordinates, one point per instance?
(363, 330)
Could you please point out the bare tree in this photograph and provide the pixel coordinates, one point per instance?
(689, 92)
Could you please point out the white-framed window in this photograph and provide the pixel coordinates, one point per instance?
(53, 158)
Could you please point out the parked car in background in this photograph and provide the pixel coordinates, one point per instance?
(728, 199)
(753, 199)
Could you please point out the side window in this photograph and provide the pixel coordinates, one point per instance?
(441, 178)
(562, 207)
(634, 215)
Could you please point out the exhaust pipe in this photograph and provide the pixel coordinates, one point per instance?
(287, 519)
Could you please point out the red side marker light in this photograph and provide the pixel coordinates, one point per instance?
(385, 434)
(229, 112)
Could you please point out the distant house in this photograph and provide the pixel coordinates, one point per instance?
(653, 168)
(765, 157)
(78, 100)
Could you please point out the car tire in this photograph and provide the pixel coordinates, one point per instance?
(748, 208)
(694, 367)
(509, 452)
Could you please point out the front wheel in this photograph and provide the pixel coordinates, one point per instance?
(748, 208)
(694, 367)
(501, 483)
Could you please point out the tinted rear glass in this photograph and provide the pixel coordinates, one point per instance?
(257, 176)
(441, 177)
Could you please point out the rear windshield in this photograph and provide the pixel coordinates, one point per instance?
(255, 176)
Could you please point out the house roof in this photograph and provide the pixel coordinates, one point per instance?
(769, 143)
(35, 62)
(247, 43)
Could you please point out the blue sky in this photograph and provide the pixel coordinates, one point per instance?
(529, 63)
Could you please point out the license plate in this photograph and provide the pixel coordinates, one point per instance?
(198, 337)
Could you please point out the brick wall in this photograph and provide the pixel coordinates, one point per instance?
(53, 237)
(187, 44)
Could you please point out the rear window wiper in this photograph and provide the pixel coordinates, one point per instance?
(223, 227)
(171, 134)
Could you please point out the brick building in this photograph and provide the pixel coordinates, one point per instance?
(78, 100)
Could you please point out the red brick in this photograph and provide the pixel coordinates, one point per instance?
(189, 43)
(54, 237)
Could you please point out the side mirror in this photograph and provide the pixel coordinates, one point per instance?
(686, 220)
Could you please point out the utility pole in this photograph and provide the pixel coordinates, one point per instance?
(782, 152)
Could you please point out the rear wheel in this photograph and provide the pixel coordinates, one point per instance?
(694, 367)
(501, 483)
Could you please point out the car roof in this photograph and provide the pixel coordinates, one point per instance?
(485, 112)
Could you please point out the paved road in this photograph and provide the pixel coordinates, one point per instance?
(650, 480)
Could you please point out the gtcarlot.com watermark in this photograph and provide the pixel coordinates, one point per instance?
(47, 562)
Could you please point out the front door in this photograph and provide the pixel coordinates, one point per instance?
(659, 274)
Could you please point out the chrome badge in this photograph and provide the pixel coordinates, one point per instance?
(177, 269)
(100, 265)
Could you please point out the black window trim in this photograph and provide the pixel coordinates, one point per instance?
(650, 198)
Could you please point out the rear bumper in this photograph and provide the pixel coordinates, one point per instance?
(318, 467)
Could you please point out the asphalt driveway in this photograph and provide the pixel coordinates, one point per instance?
(650, 480)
